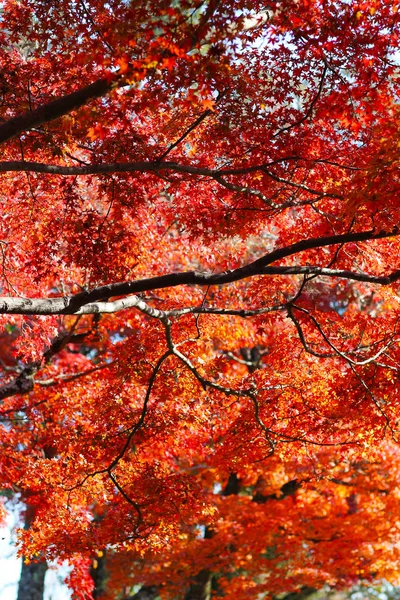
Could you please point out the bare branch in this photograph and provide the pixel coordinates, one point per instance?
(142, 417)
(335, 349)
(184, 135)
(72, 376)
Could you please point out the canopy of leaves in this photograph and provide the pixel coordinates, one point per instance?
(199, 269)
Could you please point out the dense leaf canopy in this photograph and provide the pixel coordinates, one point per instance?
(199, 269)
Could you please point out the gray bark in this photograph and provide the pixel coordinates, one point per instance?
(31, 582)
(94, 301)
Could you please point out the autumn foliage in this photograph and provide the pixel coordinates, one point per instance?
(200, 270)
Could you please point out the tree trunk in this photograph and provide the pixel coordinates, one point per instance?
(200, 588)
(31, 582)
(99, 575)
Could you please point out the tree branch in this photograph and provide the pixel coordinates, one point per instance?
(92, 302)
(310, 108)
(71, 377)
(155, 167)
(341, 274)
(218, 175)
(56, 108)
(24, 383)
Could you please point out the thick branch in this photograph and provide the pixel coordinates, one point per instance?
(64, 105)
(219, 175)
(92, 302)
(321, 242)
(145, 167)
(55, 109)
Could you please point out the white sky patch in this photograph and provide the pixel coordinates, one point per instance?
(258, 19)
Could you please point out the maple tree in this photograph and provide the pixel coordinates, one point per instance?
(200, 318)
